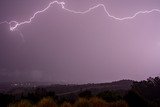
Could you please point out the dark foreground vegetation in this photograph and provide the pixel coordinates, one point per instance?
(140, 94)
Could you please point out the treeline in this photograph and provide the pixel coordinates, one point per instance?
(142, 94)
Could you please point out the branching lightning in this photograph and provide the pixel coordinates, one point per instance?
(14, 25)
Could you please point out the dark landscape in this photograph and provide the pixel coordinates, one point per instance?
(124, 93)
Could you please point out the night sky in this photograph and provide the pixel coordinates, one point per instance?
(59, 46)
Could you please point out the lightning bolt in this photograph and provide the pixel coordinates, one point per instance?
(14, 25)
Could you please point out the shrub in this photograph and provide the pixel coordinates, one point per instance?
(23, 103)
(82, 103)
(65, 104)
(118, 104)
(46, 102)
(96, 102)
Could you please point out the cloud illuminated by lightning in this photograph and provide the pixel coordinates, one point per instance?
(14, 24)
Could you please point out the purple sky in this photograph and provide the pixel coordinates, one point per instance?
(64, 47)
